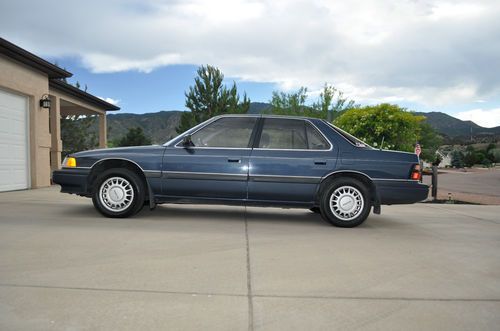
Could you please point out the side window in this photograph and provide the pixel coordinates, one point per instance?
(315, 139)
(229, 132)
(283, 134)
(291, 134)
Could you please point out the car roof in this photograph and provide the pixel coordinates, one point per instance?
(268, 116)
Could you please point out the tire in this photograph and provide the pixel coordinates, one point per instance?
(345, 202)
(315, 210)
(118, 193)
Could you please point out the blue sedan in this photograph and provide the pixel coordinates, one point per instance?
(258, 160)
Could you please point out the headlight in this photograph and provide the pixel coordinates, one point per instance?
(69, 162)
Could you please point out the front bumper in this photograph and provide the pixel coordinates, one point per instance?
(392, 192)
(72, 181)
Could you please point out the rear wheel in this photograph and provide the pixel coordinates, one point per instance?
(118, 193)
(345, 202)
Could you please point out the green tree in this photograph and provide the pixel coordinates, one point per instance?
(290, 103)
(496, 154)
(77, 133)
(330, 104)
(470, 156)
(457, 159)
(437, 160)
(429, 141)
(134, 137)
(398, 128)
(487, 163)
(210, 97)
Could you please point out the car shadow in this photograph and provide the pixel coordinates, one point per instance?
(201, 213)
(193, 213)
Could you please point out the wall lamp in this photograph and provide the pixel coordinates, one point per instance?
(45, 101)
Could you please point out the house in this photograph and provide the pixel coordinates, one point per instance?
(33, 97)
(445, 159)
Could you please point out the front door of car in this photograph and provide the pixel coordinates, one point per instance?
(288, 161)
(215, 166)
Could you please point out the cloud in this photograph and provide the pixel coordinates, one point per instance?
(425, 51)
(485, 117)
(110, 100)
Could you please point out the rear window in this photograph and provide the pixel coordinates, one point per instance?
(353, 140)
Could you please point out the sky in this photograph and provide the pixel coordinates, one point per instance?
(425, 55)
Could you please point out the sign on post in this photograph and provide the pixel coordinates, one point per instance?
(418, 150)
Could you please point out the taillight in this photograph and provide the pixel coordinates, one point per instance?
(415, 173)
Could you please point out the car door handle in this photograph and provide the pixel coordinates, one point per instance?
(320, 162)
(234, 160)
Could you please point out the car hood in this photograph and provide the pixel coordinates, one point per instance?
(118, 150)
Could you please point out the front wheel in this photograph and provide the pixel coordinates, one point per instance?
(345, 202)
(118, 193)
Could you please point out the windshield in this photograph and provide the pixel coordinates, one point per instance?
(353, 140)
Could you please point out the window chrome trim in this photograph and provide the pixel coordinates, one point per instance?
(213, 119)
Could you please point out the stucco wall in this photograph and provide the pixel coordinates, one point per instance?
(24, 80)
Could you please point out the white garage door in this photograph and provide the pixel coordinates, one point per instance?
(13, 141)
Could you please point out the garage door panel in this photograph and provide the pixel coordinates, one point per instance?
(13, 141)
(13, 124)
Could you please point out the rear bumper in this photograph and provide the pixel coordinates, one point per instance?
(392, 192)
(72, 181)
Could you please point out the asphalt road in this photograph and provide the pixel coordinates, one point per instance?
(473, 185)
(64, 267)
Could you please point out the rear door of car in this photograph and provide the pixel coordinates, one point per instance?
(288, 160)
(216, 167)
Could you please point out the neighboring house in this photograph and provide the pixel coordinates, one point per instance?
(445, 159)
(30, 130)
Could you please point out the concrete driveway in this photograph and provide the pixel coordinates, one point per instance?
(64, 267)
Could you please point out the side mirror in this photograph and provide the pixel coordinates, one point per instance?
(187, 142)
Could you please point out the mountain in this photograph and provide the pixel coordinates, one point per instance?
(160, 126)
(453, 127)
(258, 107)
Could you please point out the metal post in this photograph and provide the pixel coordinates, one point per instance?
(434, 182)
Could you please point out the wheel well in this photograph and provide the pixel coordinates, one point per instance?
(115, 163)
(347, 174)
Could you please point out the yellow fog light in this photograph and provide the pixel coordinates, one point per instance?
(69, 162)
